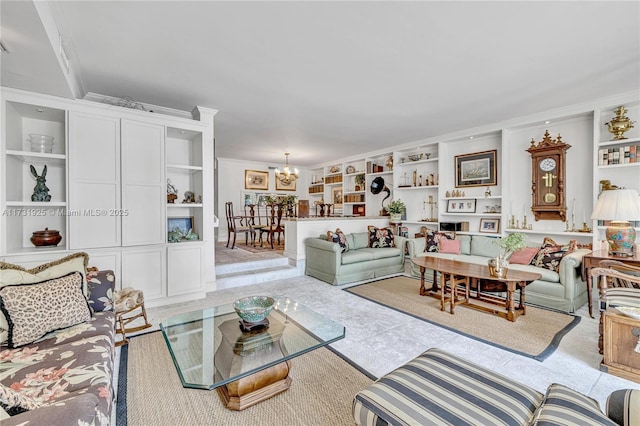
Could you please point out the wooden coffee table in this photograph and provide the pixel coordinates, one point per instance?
(210, 351)
(470, 274)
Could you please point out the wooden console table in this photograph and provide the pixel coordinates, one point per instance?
(592, 260)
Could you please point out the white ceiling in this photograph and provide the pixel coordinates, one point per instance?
(324, 80)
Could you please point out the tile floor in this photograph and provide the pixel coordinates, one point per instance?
(380, 339)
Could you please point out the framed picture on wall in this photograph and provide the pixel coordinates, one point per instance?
(477, 169)
(460, 205)
(255, 179)
(288, 186)
(184, 224)
(491, 226)
(336, 197)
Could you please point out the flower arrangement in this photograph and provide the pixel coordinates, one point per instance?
(510, 244)
(396, 207)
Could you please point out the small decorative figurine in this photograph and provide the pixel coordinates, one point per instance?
(487, 192)
(40, 191)
(172, 192)
(175, 236)
(189, 197)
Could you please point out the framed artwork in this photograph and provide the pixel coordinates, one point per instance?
(459, 205)
(255, 179)
(491, 226)
(281, 186)
(477, 169)
(184, 224)
(336, 197)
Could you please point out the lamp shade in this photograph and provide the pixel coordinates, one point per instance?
(617, 205)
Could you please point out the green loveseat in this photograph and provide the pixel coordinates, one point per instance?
(563, 290)
(326, 261)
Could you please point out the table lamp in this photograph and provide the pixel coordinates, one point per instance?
(619, 206)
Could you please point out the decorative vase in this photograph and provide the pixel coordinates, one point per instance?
(498, 267)
(395, 217)
(619, 124)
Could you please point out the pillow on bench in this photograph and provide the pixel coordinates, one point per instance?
(34, 309)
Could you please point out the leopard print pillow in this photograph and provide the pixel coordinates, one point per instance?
(32, 310)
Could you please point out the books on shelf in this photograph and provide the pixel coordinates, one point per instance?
(619, 155)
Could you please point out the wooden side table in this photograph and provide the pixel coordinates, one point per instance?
(620, 339)
(592, 260)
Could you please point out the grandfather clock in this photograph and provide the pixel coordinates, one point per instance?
(548, 173)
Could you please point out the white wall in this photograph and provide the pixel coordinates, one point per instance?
(230, 174)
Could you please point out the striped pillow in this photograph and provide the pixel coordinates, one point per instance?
(623, 296)
(564, 406)
(623, 406)
(440, 388)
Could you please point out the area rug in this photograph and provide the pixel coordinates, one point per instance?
(150, 392)
(535, 335)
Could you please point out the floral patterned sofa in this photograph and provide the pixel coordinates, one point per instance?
(65, 376)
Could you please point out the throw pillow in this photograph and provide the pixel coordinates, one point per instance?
(339, 238)
(16, 274)
(32, 310)
(380, 237)
(434, 237)
(565, 406)
(551, 253)
(449, 246)
(100, 285)
(524, 256)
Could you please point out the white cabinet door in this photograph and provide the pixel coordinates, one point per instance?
(94, 181)
(144, 269)
(184, 265)
(143, 184)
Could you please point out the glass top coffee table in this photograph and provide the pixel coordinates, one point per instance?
(210, 351)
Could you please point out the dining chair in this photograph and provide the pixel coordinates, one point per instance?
(274, 226)
(238, 225)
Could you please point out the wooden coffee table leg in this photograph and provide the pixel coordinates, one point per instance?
(423, 290)
(511, 314)
(443, 287)
(257, 387)
(454, 293)
(523, 307)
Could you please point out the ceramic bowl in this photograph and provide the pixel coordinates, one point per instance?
(414, 157)
(254, 308)
(48, 237)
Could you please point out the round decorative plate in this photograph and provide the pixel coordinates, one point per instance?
(351, 169)
(629, 311)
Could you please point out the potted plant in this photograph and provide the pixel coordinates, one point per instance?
(395, 209)
(360, 181)
(499, 266)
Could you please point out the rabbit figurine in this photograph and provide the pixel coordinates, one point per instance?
(40, 191)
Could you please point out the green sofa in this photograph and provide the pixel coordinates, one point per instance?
(326, 261)
(563, 290)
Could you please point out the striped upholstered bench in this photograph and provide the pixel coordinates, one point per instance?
(438, 388)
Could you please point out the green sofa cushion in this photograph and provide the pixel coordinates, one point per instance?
(357, 256)
(484, 246)
(360, 240)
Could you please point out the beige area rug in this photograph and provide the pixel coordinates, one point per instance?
(150, 392)
(535, 335)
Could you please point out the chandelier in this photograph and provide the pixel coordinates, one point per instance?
(287, 176)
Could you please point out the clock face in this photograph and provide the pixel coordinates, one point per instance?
(547, 164)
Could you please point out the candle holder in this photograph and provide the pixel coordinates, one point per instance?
(585, 228)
